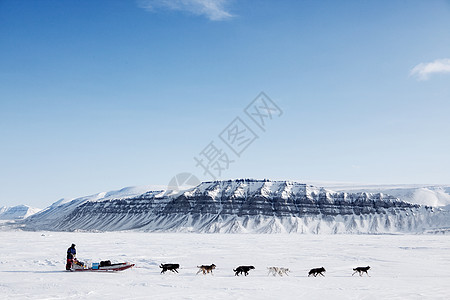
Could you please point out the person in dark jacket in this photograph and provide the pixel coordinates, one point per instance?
(71, 253)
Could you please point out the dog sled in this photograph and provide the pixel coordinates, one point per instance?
(103, 266)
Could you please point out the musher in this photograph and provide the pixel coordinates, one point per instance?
(71, 253)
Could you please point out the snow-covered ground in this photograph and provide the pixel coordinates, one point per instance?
(402, 266)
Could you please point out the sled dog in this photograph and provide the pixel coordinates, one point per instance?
(169, 267)
(361, 270)
(317, 271)
(206, 269)
(242, 269)
(278, 270)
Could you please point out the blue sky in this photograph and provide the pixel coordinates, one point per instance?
(98, 95)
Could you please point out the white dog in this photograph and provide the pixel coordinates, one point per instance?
(278, 270)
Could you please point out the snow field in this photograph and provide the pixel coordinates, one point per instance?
(402, 266)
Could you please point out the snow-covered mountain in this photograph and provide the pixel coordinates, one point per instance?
(240, 206)
(17, 212)
(424, 194)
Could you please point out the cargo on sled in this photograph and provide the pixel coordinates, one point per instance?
(103, 266)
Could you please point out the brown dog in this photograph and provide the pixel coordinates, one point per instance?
(206, 269)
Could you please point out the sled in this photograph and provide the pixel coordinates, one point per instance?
(101, 268)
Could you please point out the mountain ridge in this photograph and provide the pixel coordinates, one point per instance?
(17, 212)
(242, 206)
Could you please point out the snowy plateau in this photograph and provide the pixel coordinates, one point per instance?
(17, 212)
(249, 206)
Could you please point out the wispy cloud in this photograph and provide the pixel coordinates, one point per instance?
(214, 10)
(423, 70)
